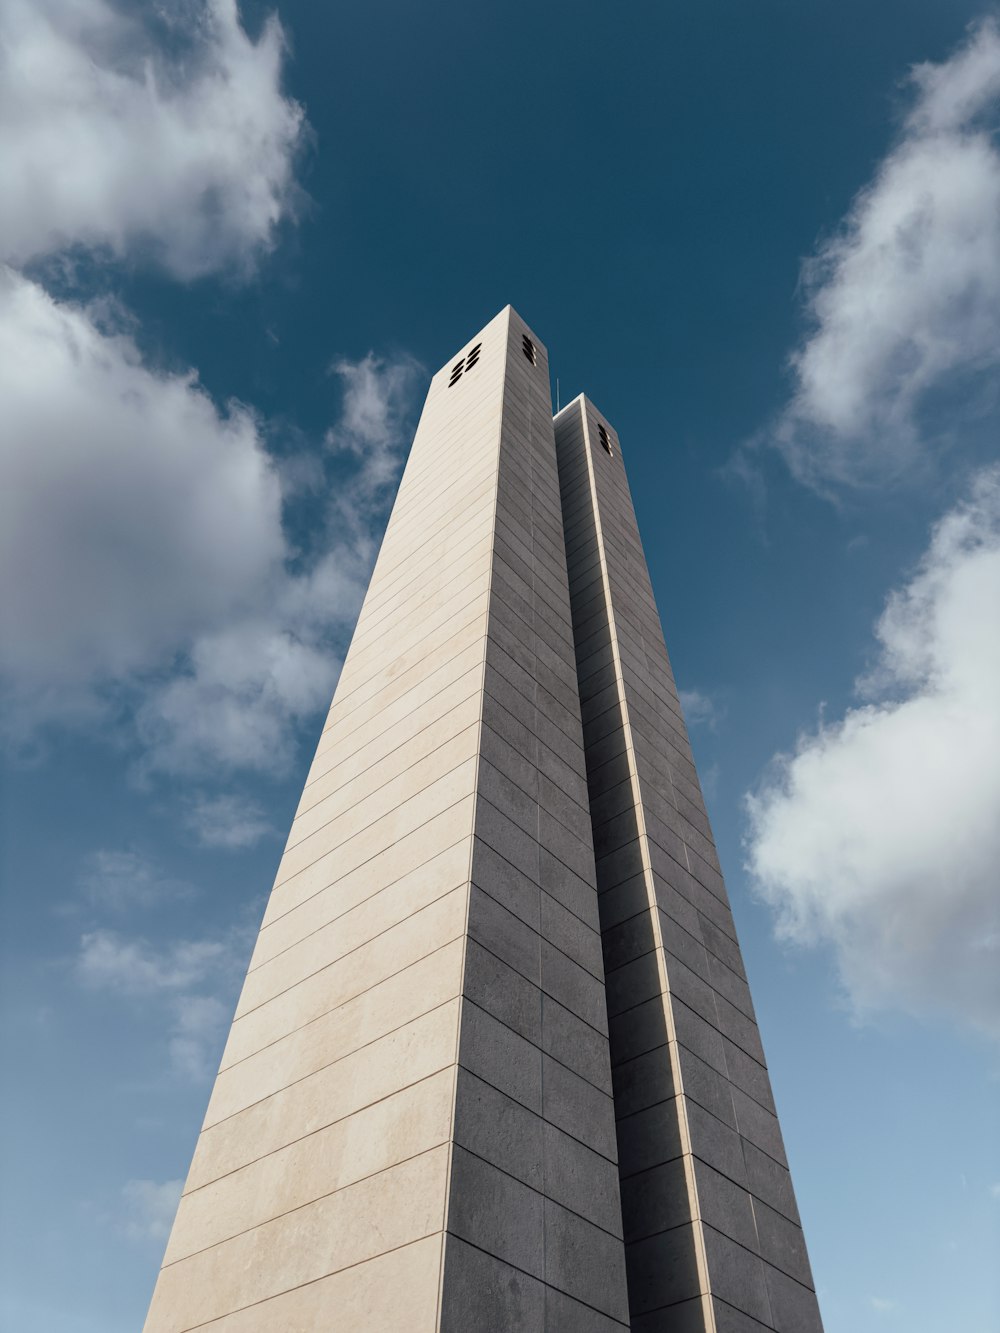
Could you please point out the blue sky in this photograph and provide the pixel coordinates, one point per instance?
(766, 240)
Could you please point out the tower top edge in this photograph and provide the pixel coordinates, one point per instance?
(505, 317)
(580, 400)
(583, 401)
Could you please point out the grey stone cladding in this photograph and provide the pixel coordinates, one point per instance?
(712, 1234)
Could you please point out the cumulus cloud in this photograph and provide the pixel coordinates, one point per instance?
(135, 515)
(880, 835)
(192, 983)
(377, 397)
(166, 135)
(374, 389)
(241, 691)
(905, 298)
(231, 822)
(147, 566)
(132, 966)
(245, 685)
(150, 1206)
(144, 560)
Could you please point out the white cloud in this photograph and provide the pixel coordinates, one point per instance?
(145, 564)
(241, 692)
(880, 835)
(132, 966)
(232, 822)
(135, 514)
(143, 558)
(177, 144)
(247, 684)
(191, 984)
(150, 1206)
(377, 398)
(120, 880)
(699, 709)
(905, 298)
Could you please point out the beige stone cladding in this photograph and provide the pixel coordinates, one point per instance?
(713, 1240)
(318, 1192)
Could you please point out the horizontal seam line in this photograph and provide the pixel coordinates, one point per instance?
(302, 1079)
(542, 1194)
(423, 587)
(569, 739)
(701, 944)
(385, 814)
(546, 938)
(415, 710)
(539, 985)
(485, 800)
(326, 1012)
(409, 740)
(356, 906)
(540, 806)
(365, 653)
(563, 642)
(524, 873)
(276, 1217)
(361, 865)
(389, 683)
(361, 901)
(542, 1281)
(525, 759)
(446, 536)
(350, 953)
(193, 1328)
(676, 999)
(467, 999)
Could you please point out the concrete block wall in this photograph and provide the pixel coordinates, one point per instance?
(713, 1240)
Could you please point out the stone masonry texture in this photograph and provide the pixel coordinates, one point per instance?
(494, 1065)
(712, 1234)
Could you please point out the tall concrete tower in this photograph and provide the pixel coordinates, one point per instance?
(478, 1079)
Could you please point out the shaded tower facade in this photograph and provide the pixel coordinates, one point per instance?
(712, 1233)
(494, 1065)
